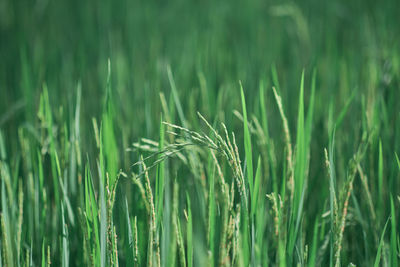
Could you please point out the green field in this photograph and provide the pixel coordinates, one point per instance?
(199, 133)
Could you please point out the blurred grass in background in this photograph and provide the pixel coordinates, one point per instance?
(66, 121)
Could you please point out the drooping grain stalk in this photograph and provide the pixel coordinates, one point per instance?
(340, 209)
(288, 143)
(153, 241)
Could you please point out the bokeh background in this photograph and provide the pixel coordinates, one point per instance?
(354, 47)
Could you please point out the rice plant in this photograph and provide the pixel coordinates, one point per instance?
(225, 133)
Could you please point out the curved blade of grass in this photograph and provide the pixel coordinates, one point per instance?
(381, 243)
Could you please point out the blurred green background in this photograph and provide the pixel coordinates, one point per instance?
(210, 46)
(353, 45)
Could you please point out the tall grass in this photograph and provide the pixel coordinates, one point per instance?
(199, 134)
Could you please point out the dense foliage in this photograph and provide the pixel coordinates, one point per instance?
(199, 133)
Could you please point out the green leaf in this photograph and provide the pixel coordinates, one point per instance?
(275, 79)
(189, 234)
(381, 243)
(314, 245)
(397, 159)
(393, 236)
(129, 246)
(211, 212)
(160, 176)
(299, 174)
(64, 238)
(103, 223)
(380, 175)
(247, 143)
(108, 140)
(256, 187)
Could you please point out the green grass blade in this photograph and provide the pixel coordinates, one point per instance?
(310, 112)
(43, 254)
(247, 143)
(299, 175)
(189, 233)
(176, 97)
(256, 188)
(160, 177)
(263, 109)
(3, 153)
(275, 78)
(380, 247)
(108, 141)
(64, 237)
(393, 235)
(129, 246)
(344, 110)
(380, 177)
(46, 114)
(174, 236)
(211, 213)
(6, 238)
(314, 245)
(300, 149)
(92, 214)
(332, 193)
(270, 152)
(103, 222)
(40, 170)
(249, 167)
